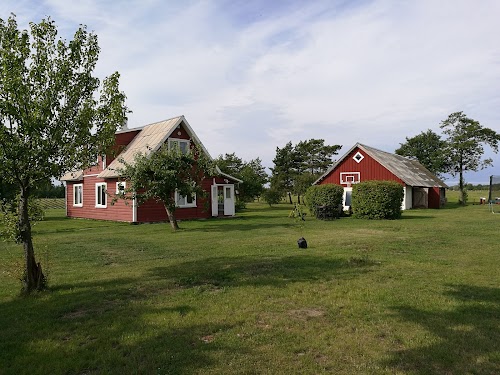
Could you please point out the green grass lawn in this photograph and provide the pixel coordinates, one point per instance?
(420, 295)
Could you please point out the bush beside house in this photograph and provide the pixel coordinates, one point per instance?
(377, 200)
(330, 195)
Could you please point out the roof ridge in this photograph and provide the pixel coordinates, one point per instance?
(144, 126)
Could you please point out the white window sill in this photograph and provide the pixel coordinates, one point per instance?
(188, 206)
(78, 205)
(101, 206)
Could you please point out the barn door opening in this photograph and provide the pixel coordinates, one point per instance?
(420, 197)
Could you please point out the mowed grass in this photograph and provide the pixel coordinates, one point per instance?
(420, 295)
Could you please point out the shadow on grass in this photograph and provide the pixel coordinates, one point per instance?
(277, 272)
(412, 217)
(128, 325)
(101, 328)
(468, 336)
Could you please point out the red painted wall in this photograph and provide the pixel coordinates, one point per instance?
(121, 140)
(120, 211)
(434, 197)
(369, 169)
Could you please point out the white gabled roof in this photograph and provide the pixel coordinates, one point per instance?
(411, 172)
(149, 139)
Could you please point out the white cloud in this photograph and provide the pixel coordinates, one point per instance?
(252, 76)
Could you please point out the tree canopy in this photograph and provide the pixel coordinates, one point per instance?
(428, 148)
(55, 114)
(461, 149)
(252, 173)
(166, 175)
(297, 167)
(465, 146)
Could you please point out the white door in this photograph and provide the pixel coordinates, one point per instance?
(215, 203)
(228, 200)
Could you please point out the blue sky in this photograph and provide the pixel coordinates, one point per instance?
(252, 75)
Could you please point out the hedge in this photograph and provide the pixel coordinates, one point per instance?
(323, 195)
(377, 200)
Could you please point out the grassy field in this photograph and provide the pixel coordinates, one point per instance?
(420, 295)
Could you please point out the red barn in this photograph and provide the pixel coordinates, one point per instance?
(422, 189)
(89, 192)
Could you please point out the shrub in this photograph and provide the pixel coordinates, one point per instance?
(272, 196)
(239, 205)
(377, 200)
(323, 195)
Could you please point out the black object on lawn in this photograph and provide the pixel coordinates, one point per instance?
(302, 243)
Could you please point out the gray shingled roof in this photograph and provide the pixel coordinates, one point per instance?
(150, 139)
(411, 172)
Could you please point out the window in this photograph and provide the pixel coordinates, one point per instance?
(100, 195)
(78, 195)
(358, 157)
(180, 144)
(184, 201)
(120, 187)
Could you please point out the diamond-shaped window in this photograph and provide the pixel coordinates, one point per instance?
(358, 157)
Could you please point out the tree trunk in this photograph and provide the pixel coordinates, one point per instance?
(290, 197)
(171, 218)
(33, 278)
(461, 196)
(298, 198)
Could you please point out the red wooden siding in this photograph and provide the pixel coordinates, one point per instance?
(121, 140)
(151, 211)
(120, 211)
(183, 133)
(369, 169)
(434, 197)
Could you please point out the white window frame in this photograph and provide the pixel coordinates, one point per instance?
(345, 177)
(98, 187)
(122, 190)
(173, 141)
(75, 188)
(181, 201)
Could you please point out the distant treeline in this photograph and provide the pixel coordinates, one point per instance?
(477, 187)
(43, 190)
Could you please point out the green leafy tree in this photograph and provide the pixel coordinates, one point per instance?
(230, 164)
(7, 190)
(314, 156)
(285, 170)
(252, 174)
(55, 115)
(465, 146)
(272, 196)
(254, 178)
(160, 174)
(429, 149)
(297, 167)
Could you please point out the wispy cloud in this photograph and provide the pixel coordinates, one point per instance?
(250, 76)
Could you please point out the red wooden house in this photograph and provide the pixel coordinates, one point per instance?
(89, 192)
(422, 189)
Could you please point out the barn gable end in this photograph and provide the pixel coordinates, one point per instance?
(364, 163)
